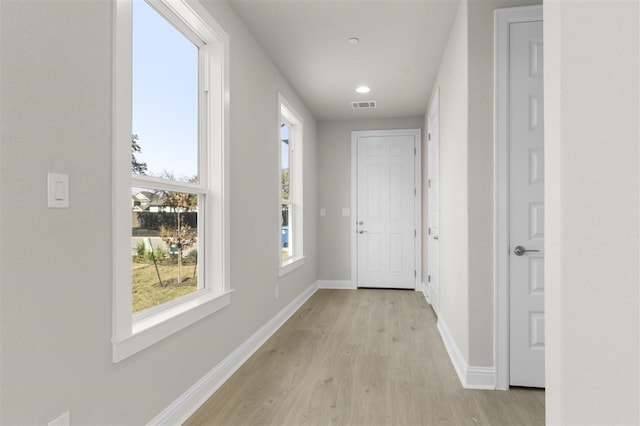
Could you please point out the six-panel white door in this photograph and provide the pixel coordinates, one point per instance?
(386, 231)
(526, 194)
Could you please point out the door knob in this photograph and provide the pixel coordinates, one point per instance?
(519, 251)
(361, 231)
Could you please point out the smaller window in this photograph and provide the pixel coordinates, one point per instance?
(290, 243)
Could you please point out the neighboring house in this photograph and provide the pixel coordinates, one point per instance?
(148, 201)
(141, 201)
(157, 205)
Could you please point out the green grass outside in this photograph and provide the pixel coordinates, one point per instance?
(146, 290)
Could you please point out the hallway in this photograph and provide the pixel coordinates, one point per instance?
(360, 357)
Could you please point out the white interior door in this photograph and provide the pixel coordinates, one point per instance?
(433, 191)
(385, 209)
(526, 209)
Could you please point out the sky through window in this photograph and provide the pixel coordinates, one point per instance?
(165, 95)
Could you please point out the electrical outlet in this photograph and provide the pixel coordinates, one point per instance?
(63, 420)
(277, 291)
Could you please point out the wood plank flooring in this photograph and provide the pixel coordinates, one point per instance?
(360, 357)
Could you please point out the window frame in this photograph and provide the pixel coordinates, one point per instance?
(135, 332)
(286, 113)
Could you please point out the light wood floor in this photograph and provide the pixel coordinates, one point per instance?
(360, 357)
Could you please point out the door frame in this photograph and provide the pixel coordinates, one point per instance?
(503, 18)
(434, 109)
(417, 173)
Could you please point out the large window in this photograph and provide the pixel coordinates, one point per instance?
(291, 206)
(165, 161)
(170, 232)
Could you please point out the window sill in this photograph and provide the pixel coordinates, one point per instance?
(153, 326)
(291, 265)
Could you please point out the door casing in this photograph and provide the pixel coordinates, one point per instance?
(433, 203)
(416, 133)
(503, 18)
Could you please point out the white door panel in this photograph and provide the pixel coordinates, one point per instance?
(526, 210)
(433, 195)
(386, 211)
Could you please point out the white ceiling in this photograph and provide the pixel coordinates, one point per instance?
(401, 45)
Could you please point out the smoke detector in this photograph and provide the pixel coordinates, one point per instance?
(363, 104)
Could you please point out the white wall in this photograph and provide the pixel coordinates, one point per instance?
(593, 238)
(465, 80)
(334, 190)
(453, 81)
(55, 265)
(592, 280)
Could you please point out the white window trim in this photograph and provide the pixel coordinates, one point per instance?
(133, 333)
(286, 112)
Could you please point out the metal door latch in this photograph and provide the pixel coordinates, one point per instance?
(519, 251)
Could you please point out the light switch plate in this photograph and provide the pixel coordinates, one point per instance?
(57, 191)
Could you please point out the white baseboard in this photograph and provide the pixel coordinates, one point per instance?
(481, 378)
(183, 407)
(425, 292)
(433, 298)
(471, 377)
(345, 285)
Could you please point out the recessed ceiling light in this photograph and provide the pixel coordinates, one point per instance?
(363, 89)
(354, 40)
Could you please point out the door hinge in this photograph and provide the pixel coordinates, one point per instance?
(429, 231)
(415, 232)
(429, 183)
(415, 151)
(415, 273)
(429, 278)
(415, 191)
(429, 136)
